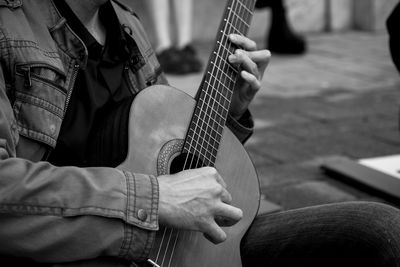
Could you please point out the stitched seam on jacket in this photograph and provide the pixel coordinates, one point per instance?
(12, 43)
(37, 101)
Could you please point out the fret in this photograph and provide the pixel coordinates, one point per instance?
(198, 153)
(209, 149)
(212, 109)
(243, 23)
(233, 69)
(226, 66)
(219, 105)
(213, 138)
(225, 75)
(226, 49)
(204, 151)
(228, 79)
(213, 113)
(200, 117)
(237, 16)
(221, 77)
(214, 133)
(215, 120)
(245, 7)
(222, 94)
(219, 93)
(246, 13)
(225, 90)
(233, 27)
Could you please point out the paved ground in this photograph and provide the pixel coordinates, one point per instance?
(340, 100)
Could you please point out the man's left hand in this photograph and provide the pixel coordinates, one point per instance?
(252, 64)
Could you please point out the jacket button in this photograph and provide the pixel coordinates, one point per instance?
(142, 215)
(127, 29)
(52, 129)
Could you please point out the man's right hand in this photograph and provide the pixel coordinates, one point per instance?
(194, 200)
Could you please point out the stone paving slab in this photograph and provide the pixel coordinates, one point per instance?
(306, 194)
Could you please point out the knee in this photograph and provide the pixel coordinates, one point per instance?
(378, 214)
(378, 225)
(376, 217)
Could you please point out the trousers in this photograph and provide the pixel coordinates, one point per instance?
(344, 234)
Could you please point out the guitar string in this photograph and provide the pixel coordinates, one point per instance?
(211, 90)
(226, 63)
(162, 241)
(200, 113)
(215, 65)
(245, 24)
(224, 78)
(223, 73)
(191, 161)
(221, 77)
(226, 24)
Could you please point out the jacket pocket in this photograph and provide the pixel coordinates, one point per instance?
(39, 101)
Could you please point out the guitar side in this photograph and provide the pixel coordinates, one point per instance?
(161, 114)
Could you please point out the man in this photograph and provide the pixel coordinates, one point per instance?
(64, 65)
(280, 37)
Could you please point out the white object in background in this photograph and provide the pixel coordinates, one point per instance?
(389, 164)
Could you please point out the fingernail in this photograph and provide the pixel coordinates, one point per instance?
(231, 58)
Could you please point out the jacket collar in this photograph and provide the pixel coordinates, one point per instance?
(69, 42)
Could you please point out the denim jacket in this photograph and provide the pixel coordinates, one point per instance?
(63, 214)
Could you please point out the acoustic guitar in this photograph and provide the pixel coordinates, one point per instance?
(179, 133)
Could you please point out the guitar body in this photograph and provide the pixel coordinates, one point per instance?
(154, 142)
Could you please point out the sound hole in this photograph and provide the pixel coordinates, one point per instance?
(185, 161)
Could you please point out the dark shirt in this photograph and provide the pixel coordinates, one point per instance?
(98, 88)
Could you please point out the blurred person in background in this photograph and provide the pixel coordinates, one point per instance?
(394, 38)
(281, 38)
(392, 24)
(172, 20)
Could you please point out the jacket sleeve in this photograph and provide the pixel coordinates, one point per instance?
(243, 127)
(59, 214)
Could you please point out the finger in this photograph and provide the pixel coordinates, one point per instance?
(260, 57)
(226, 196)
(242, 58)
(229, 212)
(253, 81)
(219, 179)
(243, 41)
(214, 233)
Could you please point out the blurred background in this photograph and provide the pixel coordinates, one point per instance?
(338, 100)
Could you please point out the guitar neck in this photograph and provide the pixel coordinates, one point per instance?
(216, 89)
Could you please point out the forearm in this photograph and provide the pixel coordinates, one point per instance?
(54, 214)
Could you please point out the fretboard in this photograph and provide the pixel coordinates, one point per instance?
(216, 89)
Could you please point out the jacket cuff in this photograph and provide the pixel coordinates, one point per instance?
(142, 206)
(142, 212)
(243, 127)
